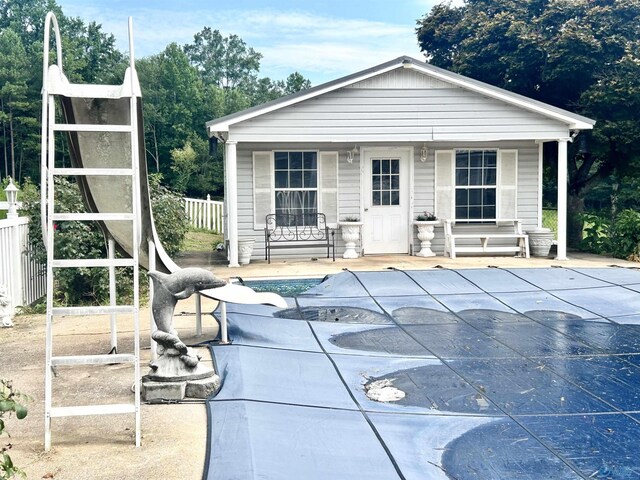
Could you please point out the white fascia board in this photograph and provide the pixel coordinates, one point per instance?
(573, 123)
(218, 128)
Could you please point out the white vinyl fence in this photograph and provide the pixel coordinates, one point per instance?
(205, 214)
(24, 278)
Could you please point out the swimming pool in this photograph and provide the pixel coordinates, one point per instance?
(286, 287)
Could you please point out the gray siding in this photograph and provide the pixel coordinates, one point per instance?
(527, 191)
(349, 190)
(402, 78)
(398, 115)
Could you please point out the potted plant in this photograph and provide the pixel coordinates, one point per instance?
(425, 223)
(350, 228)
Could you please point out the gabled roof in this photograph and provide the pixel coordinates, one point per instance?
(574, 121)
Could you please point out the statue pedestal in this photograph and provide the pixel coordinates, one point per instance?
(169, 379)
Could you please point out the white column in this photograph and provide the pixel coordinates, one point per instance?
(540, 180)
(231, 195)
(562, 199)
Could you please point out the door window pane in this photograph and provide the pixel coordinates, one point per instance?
(385, 181)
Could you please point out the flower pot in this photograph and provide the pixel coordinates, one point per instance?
(245, 249)
(540, 241)
(350, 235)
(425, 235)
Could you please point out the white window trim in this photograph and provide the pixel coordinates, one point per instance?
(501, 187)
(457, 187)
(300, 189)
(318, 177)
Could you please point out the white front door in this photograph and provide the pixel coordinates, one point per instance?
(386, 201)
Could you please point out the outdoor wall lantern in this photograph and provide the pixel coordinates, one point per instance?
(12, 199)
(351, 154)
(424, 153)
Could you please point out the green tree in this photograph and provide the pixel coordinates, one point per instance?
(13, 95)
(183, 164)
(224, 61)
(89, 56)
(294, 83)
(264, 89)
(174, 104)
(181, 92)
(581, 55)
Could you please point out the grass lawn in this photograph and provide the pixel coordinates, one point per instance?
(201, 241)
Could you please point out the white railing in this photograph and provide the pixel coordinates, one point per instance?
(205, 214)
(24, 278)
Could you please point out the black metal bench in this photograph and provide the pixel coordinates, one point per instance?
(288, 230)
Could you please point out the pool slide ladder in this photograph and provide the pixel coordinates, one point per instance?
(86, 132)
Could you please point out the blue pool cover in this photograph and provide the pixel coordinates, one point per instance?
(434, 374)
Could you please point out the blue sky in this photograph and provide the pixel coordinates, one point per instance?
(321, 39)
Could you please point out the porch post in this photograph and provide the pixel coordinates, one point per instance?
(562, 199)
(231, 196)
(540, 180)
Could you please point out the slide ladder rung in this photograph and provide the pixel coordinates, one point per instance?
(80, 410)
(93, 359)
(92, 171)
(104, 217)
(93, 262)
(94, 310)
(70, 127)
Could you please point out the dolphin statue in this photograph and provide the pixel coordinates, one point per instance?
(167, 290)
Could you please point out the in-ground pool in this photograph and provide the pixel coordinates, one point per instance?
(286, 287)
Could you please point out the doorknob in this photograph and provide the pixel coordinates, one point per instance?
(366, 209)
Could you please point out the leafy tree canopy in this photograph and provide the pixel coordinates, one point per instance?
(581, 55)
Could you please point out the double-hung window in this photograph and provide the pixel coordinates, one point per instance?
(476, 184)
(296, 185)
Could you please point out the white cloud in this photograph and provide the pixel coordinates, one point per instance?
(320, 47)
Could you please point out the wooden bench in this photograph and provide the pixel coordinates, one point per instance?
(286, 230)
(505, 230)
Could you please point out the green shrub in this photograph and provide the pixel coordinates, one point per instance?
(619, 238)
(624, 234)
(171, 221)
(81, 286)
(73, 239)
(11, 402)
(595, 233)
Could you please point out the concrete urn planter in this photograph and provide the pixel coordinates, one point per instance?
(350, 236)
(540, 241)
(245, 249)
(425, 235)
